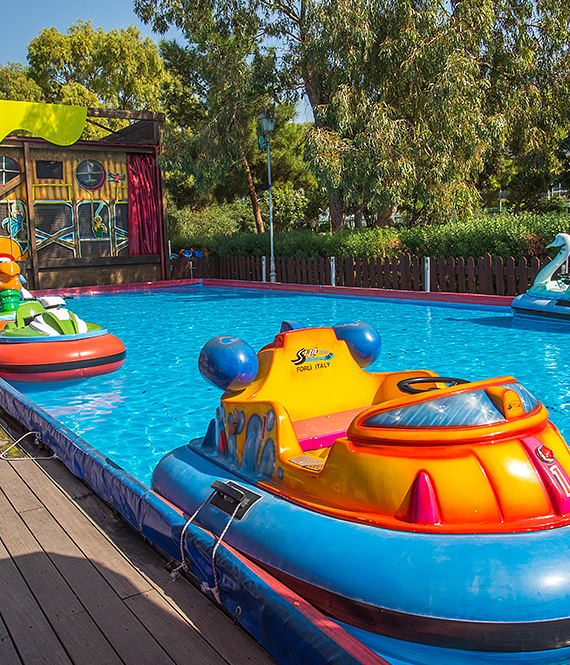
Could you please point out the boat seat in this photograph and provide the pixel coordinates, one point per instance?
(322, 431)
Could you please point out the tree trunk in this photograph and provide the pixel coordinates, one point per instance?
(253, 196)
(315, 97)
(336, 211)
(358, 214)
(387, 215)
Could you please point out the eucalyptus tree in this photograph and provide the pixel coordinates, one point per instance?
(227, 75)
(16, 84)
(410, 96)
(297, 28)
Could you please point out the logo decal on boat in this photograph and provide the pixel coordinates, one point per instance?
(318, 359)
(545, 454)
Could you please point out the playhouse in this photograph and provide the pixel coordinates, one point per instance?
(75, 212)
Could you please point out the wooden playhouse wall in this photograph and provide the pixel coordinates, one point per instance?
(71, 236)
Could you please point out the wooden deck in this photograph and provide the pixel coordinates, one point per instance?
(78, 585)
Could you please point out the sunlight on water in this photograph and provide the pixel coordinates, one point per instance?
(158, 401)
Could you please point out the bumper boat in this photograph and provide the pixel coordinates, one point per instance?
(547, 297)
(430, 516)
(47, 342)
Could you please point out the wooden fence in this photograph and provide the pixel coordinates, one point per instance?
(403, 272)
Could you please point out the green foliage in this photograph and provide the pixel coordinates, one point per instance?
(191, 228)
(16, 84)
(289, 206)
(503, 235)
(116, 69)
(367, 242)
(415, 104)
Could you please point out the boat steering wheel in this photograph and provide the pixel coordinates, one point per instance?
(407, 385)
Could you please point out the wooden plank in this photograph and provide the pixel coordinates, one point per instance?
(178, 638)
(499, 276)
(11, 185)
(441, 274)
(125, 114)
(20, 497)
(33, 253)
(433, 275)
(416, 275)
(81, 638)
(379, 273)
(30, 631)
(357, 272)
(109, 561)
(471, 283)
(405, 274)
(323, 271)
(522, 275)
(8, 654)
(303, 272)
(451, 275)
(163, 212)
(386, 273)
(229, 640)
(395, 273)
(460, 269)
(534, 269)
(130, 639)
(291, 270)
(485, 274)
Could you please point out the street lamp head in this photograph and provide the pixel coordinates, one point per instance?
(266, 123)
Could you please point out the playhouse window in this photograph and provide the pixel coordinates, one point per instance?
(9, 169)
(90, 174)
(49, 169)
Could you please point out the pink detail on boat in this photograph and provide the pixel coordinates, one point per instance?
(322, 441)
(553, 476)
(424, 508)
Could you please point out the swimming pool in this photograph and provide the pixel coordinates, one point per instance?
(158, 401)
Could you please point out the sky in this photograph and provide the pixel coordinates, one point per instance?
(23, 20)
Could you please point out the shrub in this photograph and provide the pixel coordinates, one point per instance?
(502, 235)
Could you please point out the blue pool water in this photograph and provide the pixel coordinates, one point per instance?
(158, 401)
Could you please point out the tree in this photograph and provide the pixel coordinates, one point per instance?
(89, 67)
(225, 71)
(409, 96)
(117, 68)
(297, 24)
(16, 84)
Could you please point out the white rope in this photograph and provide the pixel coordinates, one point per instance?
(216, 589)
(184, 566)
(37, 442)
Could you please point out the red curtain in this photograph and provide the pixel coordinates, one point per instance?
(144, 210)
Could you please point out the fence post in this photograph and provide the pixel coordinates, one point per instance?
(427, 273)
(332, 260)
(263, 268)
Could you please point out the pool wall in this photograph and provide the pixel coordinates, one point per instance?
(421, 296)
(290, 629)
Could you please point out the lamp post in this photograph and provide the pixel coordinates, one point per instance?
(267, 125)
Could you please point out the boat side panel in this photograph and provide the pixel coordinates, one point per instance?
(516, 577)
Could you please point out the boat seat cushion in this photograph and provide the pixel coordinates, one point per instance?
(322, 431)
